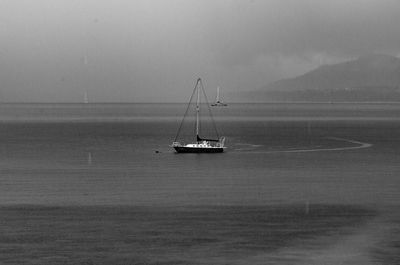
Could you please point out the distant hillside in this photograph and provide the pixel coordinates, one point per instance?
(369, 78)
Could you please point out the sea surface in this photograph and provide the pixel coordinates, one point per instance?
(298, 184)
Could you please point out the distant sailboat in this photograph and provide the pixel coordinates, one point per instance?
(201, 145)
(86, 98)
(218, 102)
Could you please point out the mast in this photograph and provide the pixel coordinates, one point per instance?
(217, 99)
(197, 108)
(198, 87)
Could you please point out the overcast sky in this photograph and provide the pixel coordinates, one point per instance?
(153, 50)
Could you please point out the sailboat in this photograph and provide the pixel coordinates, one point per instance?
(218, 102)
(199, 145)
(85, 97)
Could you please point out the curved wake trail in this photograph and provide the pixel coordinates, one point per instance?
(359, 145)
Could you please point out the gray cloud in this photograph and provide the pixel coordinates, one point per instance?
(153, 50)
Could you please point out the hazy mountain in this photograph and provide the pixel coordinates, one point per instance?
(368, 78)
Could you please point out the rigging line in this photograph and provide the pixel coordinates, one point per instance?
(187, 109)
(209, 110)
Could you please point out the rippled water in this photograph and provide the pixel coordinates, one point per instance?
(299, 184)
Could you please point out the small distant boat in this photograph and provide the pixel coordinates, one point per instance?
(200, 145)
(86, 98)
(218, 102)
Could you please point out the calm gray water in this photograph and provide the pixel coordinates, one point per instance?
(299, 184)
